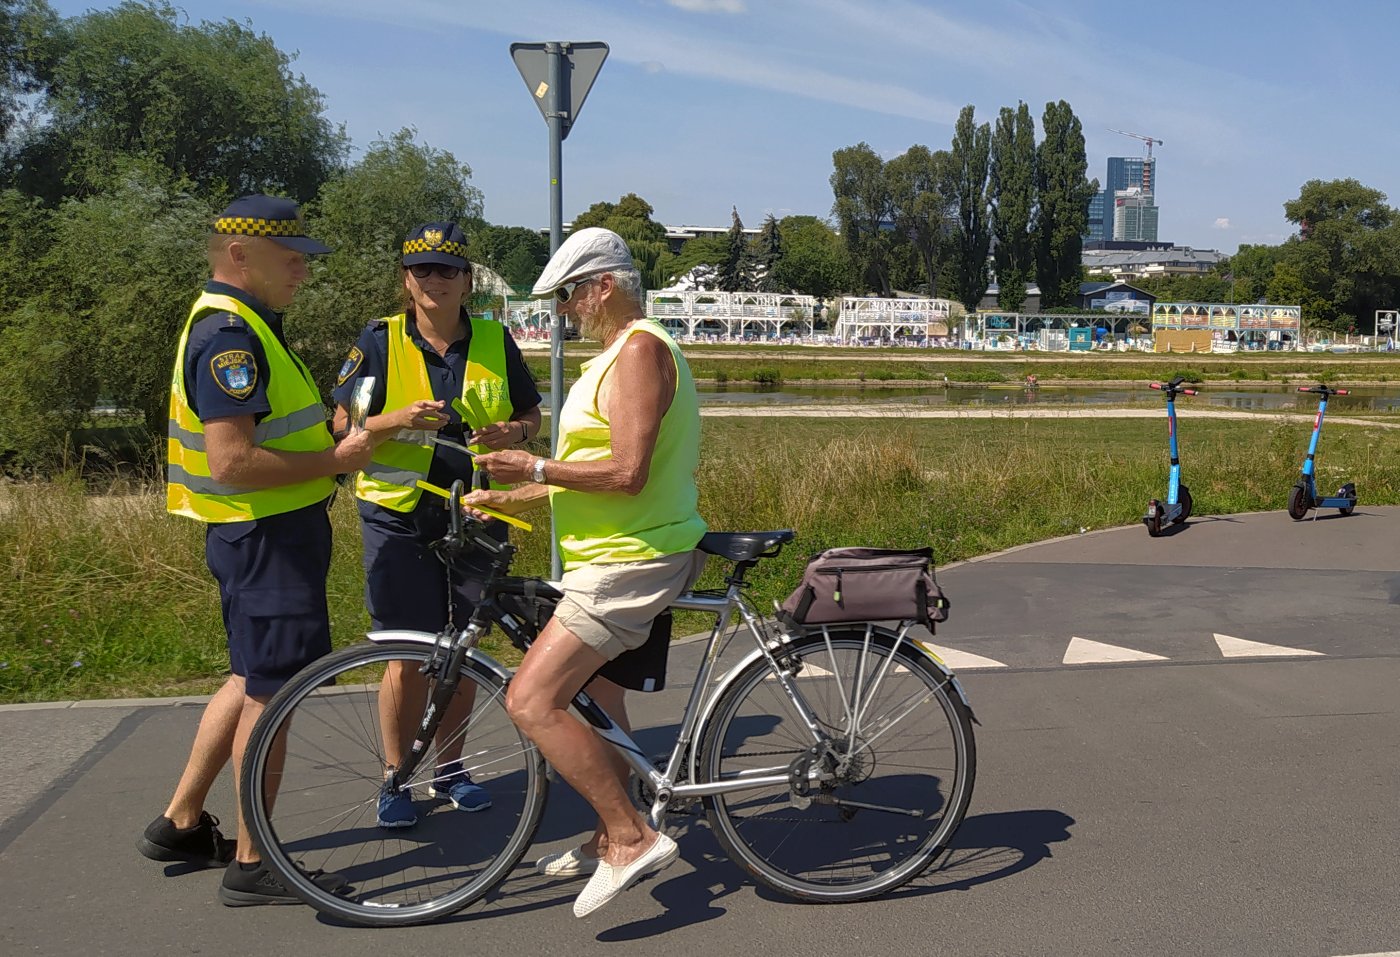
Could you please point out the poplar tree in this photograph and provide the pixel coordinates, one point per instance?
(1062, 198)
(1012, 188)
(970, 160)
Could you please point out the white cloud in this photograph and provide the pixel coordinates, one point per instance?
(1222, 222)
(708, 6)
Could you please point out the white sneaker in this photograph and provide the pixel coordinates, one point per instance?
(608, 881)
(570, 863)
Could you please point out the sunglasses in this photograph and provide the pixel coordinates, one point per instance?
(566, 292)
(424, 270)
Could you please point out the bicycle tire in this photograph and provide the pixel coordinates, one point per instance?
(762, 843)
(324, 814)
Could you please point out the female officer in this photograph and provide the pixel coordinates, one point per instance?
(422, 359)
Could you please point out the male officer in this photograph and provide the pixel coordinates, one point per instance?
(250, 455)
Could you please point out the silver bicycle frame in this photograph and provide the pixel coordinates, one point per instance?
(698, 705)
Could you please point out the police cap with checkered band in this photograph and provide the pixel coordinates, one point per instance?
(442, 243)
(270, 217)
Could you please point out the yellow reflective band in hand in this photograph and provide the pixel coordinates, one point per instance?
(471, 410)
(519, 523)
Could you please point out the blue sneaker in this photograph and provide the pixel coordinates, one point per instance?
(457, 786)
(396, 809)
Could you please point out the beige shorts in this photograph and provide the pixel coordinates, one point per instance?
(611, 606)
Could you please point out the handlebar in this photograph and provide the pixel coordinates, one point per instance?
(1173, 388)
(1323, 390)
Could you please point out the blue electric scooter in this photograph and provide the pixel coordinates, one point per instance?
(1304, 494)
(1177, 507)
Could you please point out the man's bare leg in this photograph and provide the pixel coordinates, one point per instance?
(213, 744)
(555, 668)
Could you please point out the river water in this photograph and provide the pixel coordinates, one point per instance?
(1266, 398)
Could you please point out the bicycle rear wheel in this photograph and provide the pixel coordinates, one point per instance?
(885, 799)
(316, 807)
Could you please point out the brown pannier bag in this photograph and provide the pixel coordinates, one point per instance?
(868, 584)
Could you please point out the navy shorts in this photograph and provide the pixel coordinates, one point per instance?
(272, 589)
(406, 586)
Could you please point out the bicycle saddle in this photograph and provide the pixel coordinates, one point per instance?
(743, 546)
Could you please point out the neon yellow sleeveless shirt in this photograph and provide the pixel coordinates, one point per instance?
(606, 527)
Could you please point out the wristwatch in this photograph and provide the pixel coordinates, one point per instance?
(538, 473)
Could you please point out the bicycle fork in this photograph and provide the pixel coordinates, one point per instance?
(449, 654)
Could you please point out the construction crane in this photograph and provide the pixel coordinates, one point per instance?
(1138, 136)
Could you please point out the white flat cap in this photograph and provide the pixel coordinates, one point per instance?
(587, 252)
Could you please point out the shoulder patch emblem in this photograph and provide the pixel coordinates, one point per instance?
(235, 372)
(352, 362)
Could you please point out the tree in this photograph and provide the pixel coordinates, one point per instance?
(363, 215)
(862, 208)
(517, 253)
(1062, 198)
(1012, 187)
(735, 273)
(1346, 255)
(767, 251)
(24, 24)
(108, 323)
(969, 165)
(922, 208)
(216, 104)
(815, 261)
(702, 255)
(1251, 269)
(630, 218)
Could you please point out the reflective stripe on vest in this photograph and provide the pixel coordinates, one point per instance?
(296, 423)
(391, 478)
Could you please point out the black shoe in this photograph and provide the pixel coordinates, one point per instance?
(201, 845)
(247, 885)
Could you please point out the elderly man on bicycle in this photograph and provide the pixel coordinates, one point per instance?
(622, 489)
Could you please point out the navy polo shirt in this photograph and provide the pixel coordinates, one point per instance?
(222, 341)
(370, 357)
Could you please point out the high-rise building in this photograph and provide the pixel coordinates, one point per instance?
(1134, 216)
(1123, 173)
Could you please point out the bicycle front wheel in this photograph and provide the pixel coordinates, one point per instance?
(314, 769)
(873, 807)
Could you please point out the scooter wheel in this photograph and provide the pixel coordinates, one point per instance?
(1153, 518)
(1184, 499)
(1298, 503)
(1347, 491)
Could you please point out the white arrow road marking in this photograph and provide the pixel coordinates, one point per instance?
(1082, 651)
(962, 660)
(1240, 648)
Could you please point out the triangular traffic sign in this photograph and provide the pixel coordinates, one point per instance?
(581, 62)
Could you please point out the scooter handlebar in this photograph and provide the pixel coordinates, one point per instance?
(1189, 392)
(1323, 390)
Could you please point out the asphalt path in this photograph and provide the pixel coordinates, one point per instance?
(1188, 745)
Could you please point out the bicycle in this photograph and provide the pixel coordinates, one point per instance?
(777, 752)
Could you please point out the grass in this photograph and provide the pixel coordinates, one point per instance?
(106, 595)
(796, 364)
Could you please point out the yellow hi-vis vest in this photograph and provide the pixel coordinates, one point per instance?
(391, 478)
(297, 423)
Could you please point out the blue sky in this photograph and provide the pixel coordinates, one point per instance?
(707, 104)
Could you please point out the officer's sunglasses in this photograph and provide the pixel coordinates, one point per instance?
(424, 270)
(566, 292)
